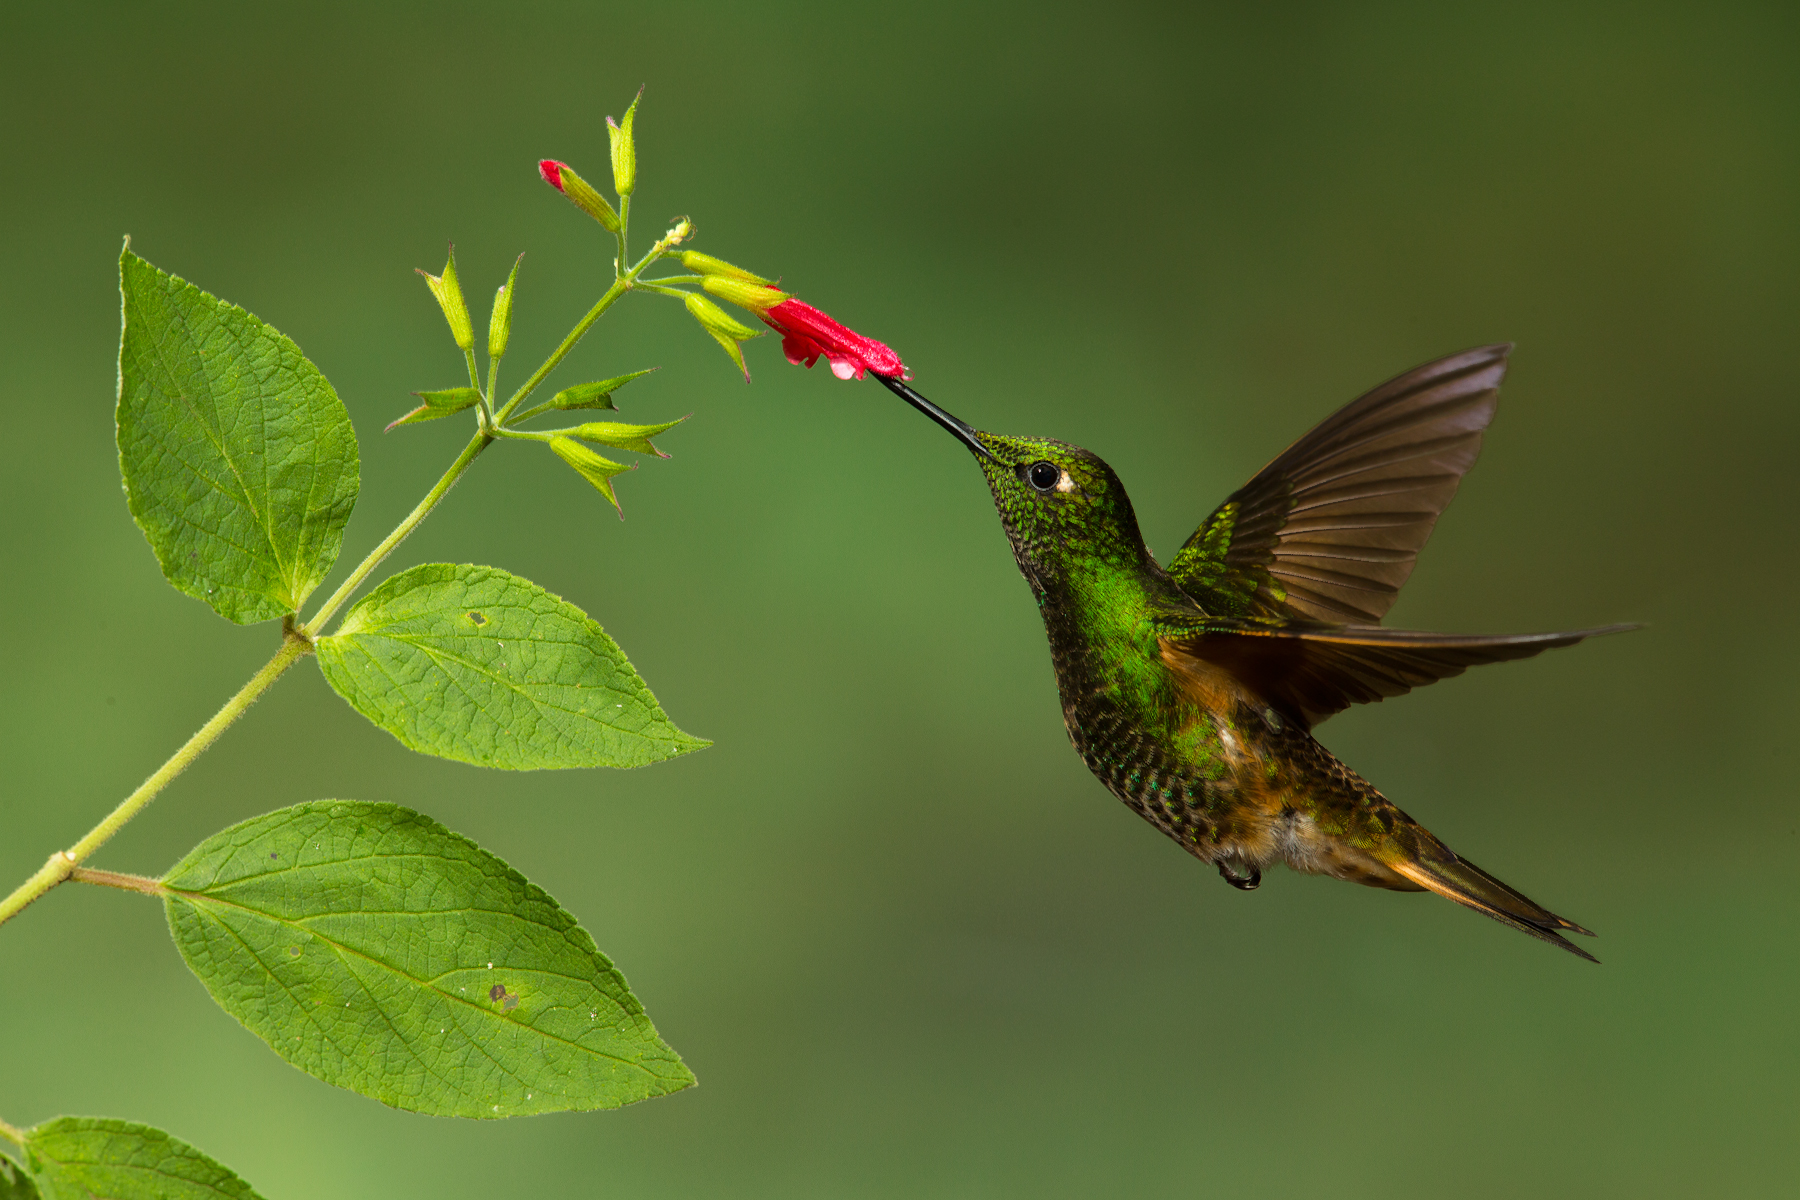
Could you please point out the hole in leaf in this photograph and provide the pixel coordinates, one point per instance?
(477, 618)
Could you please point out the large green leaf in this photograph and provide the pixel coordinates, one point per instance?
(375, 949)
(239, 460)
(96, 1158)
(478, 665)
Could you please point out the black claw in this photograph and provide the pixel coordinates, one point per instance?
(1243, 883)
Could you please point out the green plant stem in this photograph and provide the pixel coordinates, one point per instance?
(480, 442)
(13, 1134)
(529, 435)
(120, 880)
(619, 287)
(475, 382)
(647, 286)
(62, 864)
(624, 231)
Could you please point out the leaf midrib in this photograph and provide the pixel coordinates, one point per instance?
(198, 898)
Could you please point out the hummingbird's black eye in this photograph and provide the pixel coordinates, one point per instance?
(1043, 475)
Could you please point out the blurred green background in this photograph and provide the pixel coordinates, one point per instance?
(909, 946)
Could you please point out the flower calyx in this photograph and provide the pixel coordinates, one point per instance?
(450, 298)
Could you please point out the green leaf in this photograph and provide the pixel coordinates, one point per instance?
(373, 948)
(239, 460)
(96, 1158)
(635, 438)
(478, 665)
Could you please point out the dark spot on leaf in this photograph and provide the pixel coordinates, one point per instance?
(293, 952)
(477, 618)
(274, 854)
(497, 991)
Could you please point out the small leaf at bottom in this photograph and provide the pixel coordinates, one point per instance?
(375, 949)
(97, 1158)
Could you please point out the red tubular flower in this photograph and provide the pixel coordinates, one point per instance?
(808, 334)
(552, 171)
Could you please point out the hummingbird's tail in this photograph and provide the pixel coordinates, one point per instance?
(1437, 868)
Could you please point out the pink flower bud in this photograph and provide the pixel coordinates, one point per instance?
(563, 178)
(808, 334)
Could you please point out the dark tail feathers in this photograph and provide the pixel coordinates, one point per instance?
(1440, 870)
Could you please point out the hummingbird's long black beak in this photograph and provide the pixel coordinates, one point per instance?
(961, 429)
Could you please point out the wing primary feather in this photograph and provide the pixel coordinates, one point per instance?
(1372, 477)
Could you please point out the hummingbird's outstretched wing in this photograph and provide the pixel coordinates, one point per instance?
(1330, 529)
(1314, 671)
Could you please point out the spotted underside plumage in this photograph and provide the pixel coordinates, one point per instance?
(1192, 692)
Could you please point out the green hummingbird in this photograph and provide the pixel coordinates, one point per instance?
(1192, 691)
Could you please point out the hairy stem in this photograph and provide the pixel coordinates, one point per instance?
(475, 382)
(477, 444)
(620, 286)
(13, 1134)
(118, 879)
(62, 864)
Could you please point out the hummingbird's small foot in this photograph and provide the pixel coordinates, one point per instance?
(1243, 883)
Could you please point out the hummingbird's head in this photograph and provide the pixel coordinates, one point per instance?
(1064, 510)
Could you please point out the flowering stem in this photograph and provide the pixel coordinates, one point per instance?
(63, 863)
(672, 279)
(481, 441)
(297, 638)
(620, 286)
(12, 1134)
(651, 286)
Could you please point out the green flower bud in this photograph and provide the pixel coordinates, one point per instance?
(753, 296)
(594, 395)
(716, 320)
(727, 332)
(500, 320)
(439, 404)
(635, 438)
(706, 264)
(624, 150)
(590, 466)
(563, 178)
(450, 299)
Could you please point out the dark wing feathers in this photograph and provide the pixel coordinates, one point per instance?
(1315, 672)
(1330, 530)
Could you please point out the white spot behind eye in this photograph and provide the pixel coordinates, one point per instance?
(1064, 483)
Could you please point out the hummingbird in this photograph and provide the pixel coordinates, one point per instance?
(1192, 691)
